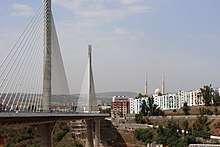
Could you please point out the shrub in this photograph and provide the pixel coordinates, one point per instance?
(27, 134)
(186, 109)
(205, 111)
(60, 135)
(144, 135)
(139, 119)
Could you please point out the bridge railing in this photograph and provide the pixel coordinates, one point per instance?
(52, 109)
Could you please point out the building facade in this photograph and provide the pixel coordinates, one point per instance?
(131, 105)
(192, 98)
(176, 101)
(120, 106)
(167, 101)
(137, 104)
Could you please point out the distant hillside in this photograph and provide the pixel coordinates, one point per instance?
(106, 97)
(103, 97)
(118, 93)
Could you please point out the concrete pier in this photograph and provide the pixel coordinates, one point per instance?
(46, 134)
(97, 132)
(89, 138)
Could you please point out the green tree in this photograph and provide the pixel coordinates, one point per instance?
(77, 144)
(207, 94)
(186, 109)
(105, 111)
(144, 109)
(201, 127)
(140, 96)
(169, 135)
(153, 109)
(216, 98)
(139, 119)
(205, 111)
(185, 126)
(144, 135)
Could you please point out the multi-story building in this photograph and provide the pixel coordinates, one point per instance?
(183, 97)
(131, 104)
(176, 101)
(167, 101)
(120, 106)
(192, 98)
(137, 106)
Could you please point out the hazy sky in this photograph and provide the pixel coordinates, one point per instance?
(130, 37)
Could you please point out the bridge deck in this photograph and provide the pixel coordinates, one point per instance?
(36, 118)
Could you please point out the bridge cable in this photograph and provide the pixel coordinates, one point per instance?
(17, 79)
(24, 47)
(20, 39)
(25, 73)
(9, 72)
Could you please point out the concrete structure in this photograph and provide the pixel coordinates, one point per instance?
(47, 55)
(193, 98)
(204, 145)
(47, 129)
(146, 85)
(87, 101)
(46, 122)
(120, 106)
(131, 104)
(137, 106)
(44, 118)
(163, 84)
(167, 102)
(92, 95)
(177, 100)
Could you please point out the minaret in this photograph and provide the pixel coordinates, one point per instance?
(146, 85)
(163, 84)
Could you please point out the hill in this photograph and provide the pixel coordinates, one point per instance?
(103, 97)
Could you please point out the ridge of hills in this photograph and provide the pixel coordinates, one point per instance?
(103, 97)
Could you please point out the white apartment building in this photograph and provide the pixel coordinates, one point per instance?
(167, 101)
(131, 103)
(135, 104)
(193, 98)
(176, 101)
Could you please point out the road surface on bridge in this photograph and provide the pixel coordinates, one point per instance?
(41, 117)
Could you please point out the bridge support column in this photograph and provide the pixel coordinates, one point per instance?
(89, 138)
(97, 132)
(46, 134)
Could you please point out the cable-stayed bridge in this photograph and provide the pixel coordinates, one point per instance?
(33, 72)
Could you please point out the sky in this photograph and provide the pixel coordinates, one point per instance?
(130, 38)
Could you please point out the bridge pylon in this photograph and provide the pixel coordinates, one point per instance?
(47, 55)
(91, 91)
